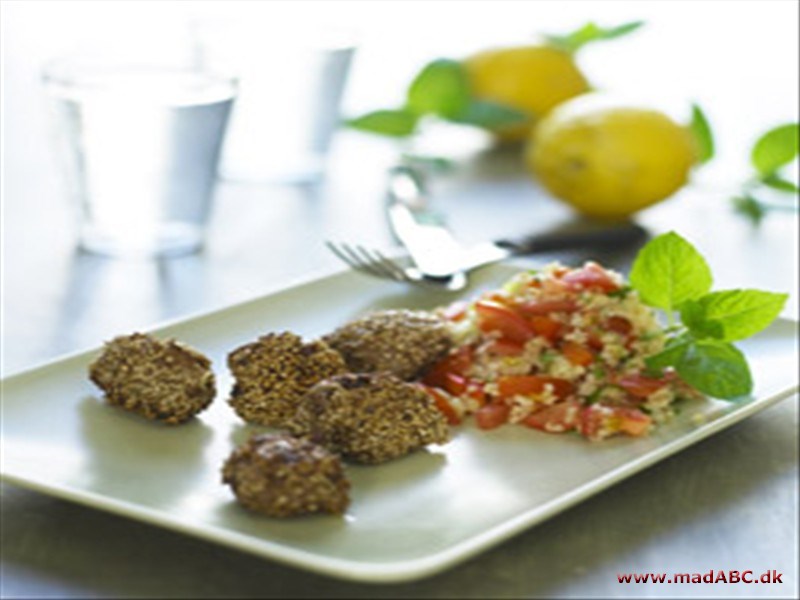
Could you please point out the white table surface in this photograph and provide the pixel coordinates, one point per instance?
(730, 502)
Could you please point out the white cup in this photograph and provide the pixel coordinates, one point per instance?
(288, 105)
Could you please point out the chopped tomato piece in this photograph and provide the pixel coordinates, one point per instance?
(444, 404)
(492, 415)
(577, 354)
(556, 418)
(640, 385)
(456, 311)
(493, 316)
(594, 342)
(619, 324)
(545, 307)
(590, 277)
(633, 421)
(455, 384)
(457, 363)
(527, 385)
(476, 392)
(503, 347)
(546, 327)
(597, 422)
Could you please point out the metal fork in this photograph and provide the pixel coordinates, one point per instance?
(375, 263)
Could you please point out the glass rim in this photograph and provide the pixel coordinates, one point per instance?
(77, 70)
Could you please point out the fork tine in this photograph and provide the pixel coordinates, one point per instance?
(376, 264)
(343, 252)
(390, 265)
(350, 256)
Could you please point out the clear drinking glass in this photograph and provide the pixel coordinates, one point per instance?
(141, 144)
(288, 105)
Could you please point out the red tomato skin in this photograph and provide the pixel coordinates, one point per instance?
(526, 385)
(492, 415)
(503, 347)
(619, 325)
(493, 316)
(546, 307)
(546, 327)
(590, 277)
(443, 404)
(640, 386)
(557, 418)
(577, 354)
(457, 363)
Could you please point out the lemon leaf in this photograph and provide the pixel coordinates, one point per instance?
(777, 182)
(591, 32)
(750, 207)
(701, 130)
(393, 123)
(668, 271)
(490, 115)
(776, 148)
(441, 88)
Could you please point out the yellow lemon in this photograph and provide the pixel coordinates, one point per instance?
(533, 79)
(610, 161)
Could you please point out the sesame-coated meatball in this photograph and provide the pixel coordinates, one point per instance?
(402, 342)
(282, 476)
(371, 417)
(274, 372)
(163, 381)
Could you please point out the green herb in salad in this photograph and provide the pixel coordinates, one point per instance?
(670, 274)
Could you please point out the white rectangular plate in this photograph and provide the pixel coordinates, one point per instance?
(408, 518)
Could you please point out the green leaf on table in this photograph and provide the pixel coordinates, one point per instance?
(715, 368)
(732, 315)
(394, 123)
(701, 130)
(591, 32)
(441, 88)
(776, 148)
(777, 182)
(490, 115)
(668, 271)
(748, 206)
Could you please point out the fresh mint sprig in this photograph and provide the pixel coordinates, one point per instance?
(670, 274)
(440, 90)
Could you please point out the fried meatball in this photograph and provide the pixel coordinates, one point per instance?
(402, 342)
(160, 380)
(282, 476)
(274, 372)
(371, 417)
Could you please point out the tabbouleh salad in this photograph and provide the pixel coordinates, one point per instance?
(561, 349)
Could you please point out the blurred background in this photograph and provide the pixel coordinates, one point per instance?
(738, 61)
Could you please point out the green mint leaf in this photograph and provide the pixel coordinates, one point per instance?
(490, 115)
(776, 148)
(749, 207)
(777, 182)
(670, 356)
(668, 271)
(732, 315)
(701, 130)
(441, 88)
(394, 123)
(717, 369)
(591, 32)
